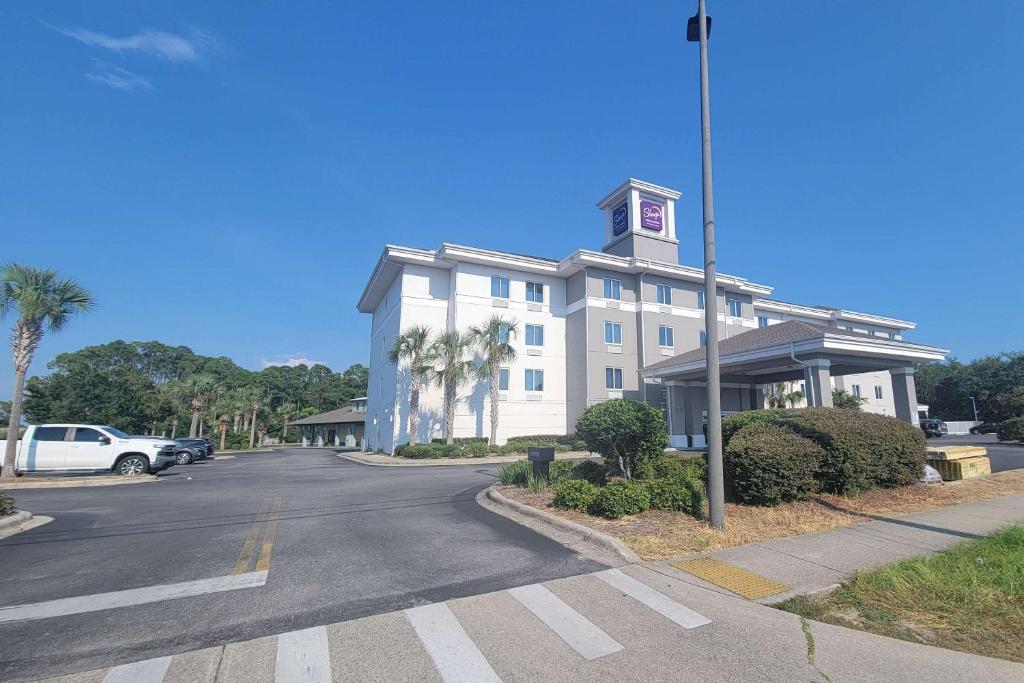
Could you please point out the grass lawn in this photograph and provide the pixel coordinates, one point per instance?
(663, 534)
(969, 597)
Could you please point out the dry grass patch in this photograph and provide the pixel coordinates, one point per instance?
(661, 534)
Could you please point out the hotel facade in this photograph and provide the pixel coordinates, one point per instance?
(623, 322)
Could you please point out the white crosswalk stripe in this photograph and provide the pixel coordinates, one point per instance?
(456, 656)
(659, 602)
(571, 626)
(147, 671)
(303, 657)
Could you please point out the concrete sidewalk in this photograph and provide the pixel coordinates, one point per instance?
(816, 562)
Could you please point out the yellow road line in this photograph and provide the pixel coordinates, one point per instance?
(268, 538)
(242, 565)
(740, 581)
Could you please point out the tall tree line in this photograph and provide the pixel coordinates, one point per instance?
(150, 387)
(995, 382)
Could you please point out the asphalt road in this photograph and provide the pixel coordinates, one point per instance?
(1002, 456)
(351, 541)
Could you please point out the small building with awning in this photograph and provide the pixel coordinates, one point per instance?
(819, 355)
(340, 427)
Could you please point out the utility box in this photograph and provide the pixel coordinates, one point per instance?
(541, 459)
(964, 468)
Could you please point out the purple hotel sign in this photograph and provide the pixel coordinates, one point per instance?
(620, 219)
(652, 215)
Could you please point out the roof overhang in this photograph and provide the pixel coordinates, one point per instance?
(583, 258)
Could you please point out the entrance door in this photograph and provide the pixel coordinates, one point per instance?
(47, 449)
(88, 449)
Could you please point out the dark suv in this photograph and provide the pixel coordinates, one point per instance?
(985, 428)
(933, 427)
(189, 450)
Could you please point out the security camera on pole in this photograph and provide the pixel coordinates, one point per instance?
(697, 30)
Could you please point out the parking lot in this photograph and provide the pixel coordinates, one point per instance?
(336, 540)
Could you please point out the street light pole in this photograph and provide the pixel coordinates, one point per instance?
(716, 486)
(975, 406)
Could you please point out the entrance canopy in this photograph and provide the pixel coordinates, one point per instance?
(791, 350)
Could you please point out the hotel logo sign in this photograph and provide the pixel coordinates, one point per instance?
(652, 215)
(620, 219)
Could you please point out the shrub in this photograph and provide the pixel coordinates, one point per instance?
(515, 473)
(738, 421)
(6, 505)
(559, 471)
(476, 449)
(1012, 429)
(626, 433)
(766, 464)
(574, 494)
(621, 497)
(676, 494)
(431, 451)
(862, 450)
(461, 440)
(589, 470)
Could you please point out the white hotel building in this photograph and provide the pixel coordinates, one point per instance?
(625, 321)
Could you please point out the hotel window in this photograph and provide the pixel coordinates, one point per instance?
(878, 392)
(803, 387)
(535, 292)
(855, 389)
(665, 336)
(535, 380)
(613, 333)
(762, 320)
(503, 333)
(703, 339)
(535, 335)
(612, 289)
(700, 300)
(892, 335)
(613, 378)
(503, 379)
(499, 287)
(665, 295)
(735, 307)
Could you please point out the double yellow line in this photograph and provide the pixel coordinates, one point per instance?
(266, 523)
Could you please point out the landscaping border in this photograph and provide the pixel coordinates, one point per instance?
(47, 482)
(17, 518)
(609, 543)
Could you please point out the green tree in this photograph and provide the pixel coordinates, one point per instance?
(197, 390)
(45, 302)
(286, 411)
(452, 370)
(841, 398)
(493, 340)
(414, 348)
(628, 434)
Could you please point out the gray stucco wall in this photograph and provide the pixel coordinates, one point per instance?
(645, 246)
(575, 366)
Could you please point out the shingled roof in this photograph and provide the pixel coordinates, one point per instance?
(338, 416)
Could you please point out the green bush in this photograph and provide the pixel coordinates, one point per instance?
(461, 440)
(475, 449)
(676, 494)
(862, 450)
(574, 494)
(432, 451)
(6, 505)
(626, 434)
(738, 421)
(765, 464)
(515, 473)
(559, 471)
(1012, 429)
(590, 470)
(621, 497)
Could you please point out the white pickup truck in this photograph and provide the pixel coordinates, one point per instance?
(72, 447)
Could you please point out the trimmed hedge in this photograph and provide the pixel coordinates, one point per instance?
(1012, 429)
(619, 498)
(766, 464)
(590, 470)
(462, 440)
(738, 421)
(575, 494)
(676, 494)
(862, 450)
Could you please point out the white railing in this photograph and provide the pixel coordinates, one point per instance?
(963, 427)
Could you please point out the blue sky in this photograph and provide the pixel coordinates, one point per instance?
(224, 176)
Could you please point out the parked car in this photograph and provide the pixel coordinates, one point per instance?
(205, 445)
(933, 427)
(186, 451)
(77, 447)
(985, 428)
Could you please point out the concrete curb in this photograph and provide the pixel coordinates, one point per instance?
(17, 519)
(450, 462)
(67, 483)
(609, 543)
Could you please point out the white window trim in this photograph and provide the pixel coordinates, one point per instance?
(508, 286)
(526, 335)
(671, 333)
(613, 369)
(614, 326)
(535, 371)
(604, 282)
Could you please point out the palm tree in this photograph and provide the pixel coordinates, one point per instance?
(197, 390)
(452, 369)
(414, 346)
(255, 401)
(44, 302)
(493, 339)
(285, 410)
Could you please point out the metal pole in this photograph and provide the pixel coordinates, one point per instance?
(975, 406)
(716, 486)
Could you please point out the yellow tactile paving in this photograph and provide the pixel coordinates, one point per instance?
(732, 578)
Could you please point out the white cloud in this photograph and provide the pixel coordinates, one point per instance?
(118, 78)
(291, 362)
(170, 46)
